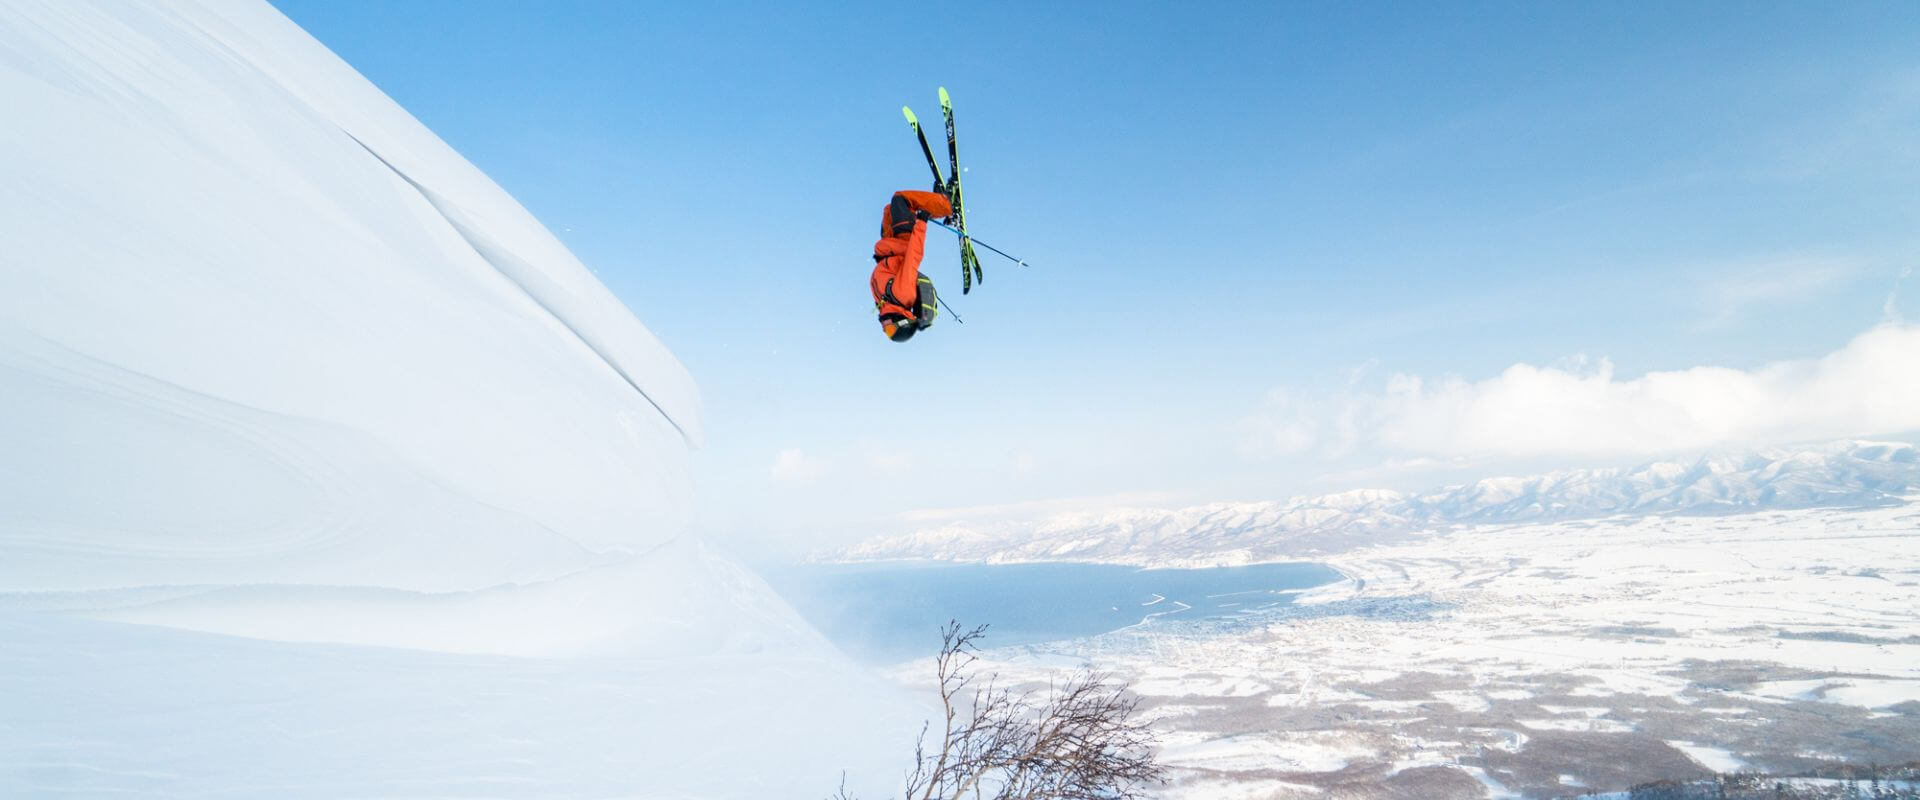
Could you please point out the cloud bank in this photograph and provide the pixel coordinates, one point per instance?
(1869, 386)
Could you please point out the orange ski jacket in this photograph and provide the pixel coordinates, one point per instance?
(896, 257)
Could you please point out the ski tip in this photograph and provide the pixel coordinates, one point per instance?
(944, 99)
(911, 119)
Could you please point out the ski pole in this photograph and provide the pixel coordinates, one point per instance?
(970, 238)
(943, 304)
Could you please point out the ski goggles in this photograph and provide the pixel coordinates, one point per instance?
(899, 329)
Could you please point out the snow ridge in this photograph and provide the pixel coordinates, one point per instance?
(544, 291)
(1840, 474)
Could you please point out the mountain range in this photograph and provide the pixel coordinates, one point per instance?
(1840, 474)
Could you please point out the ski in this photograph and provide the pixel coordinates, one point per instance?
(925, 149)
(969, 262)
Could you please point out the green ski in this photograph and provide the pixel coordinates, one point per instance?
(969, 262)
(939, 185)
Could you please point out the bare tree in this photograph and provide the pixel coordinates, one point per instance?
(1074, 742)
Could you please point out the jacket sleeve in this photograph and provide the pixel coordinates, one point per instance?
(935, 204)
(906, 285)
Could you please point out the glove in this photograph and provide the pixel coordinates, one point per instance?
(922, 216)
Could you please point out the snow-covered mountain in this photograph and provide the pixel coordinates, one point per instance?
(1839, 474)
(276, 361)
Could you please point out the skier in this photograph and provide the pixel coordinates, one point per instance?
(904, 298)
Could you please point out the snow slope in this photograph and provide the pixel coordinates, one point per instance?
(96, 709)
(276, 361)
(238, 348)
(1841, 474)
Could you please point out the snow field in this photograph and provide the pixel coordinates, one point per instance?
(1543, 659)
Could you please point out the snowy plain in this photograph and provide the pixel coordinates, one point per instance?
(1536, 659)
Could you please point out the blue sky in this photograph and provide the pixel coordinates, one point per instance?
(1253, 227)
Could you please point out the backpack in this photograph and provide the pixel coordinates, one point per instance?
(929, 305)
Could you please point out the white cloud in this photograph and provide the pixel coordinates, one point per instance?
(793, 465)
(1869, 386)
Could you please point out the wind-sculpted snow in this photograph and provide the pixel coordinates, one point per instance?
(1844, 474)
(237, 347)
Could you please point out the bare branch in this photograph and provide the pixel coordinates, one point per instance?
(1077, 741)
(842, 794)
